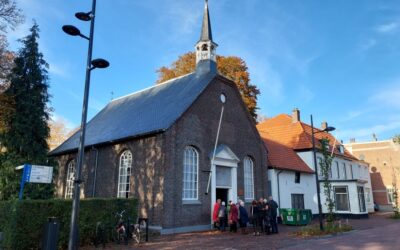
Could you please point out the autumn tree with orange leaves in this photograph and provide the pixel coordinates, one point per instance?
(232, 67)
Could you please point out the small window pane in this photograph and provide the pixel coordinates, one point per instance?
(190, 174)
(341, 199)
(125, 165)
(248, 179)
(69, 186)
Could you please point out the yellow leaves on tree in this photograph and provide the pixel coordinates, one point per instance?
(231, 67)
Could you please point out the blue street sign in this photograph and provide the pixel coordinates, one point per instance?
(34, 174)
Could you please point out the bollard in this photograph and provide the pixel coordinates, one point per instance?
(50, 236)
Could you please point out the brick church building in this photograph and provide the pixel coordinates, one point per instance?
(159, 145)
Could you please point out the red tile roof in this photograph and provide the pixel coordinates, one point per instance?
(284, 137)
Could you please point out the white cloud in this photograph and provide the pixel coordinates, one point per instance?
(57, 69)
(368, 44)
(388, 95)
(366, 132)
(94, 104)
(58, 118)
(387, 27)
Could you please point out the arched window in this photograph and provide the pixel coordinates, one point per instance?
(190, 174)
(125, 169)
(69, 185)
(248, 178)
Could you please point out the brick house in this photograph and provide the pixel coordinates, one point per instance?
(384, 159)
(157, 145)
(291, 169)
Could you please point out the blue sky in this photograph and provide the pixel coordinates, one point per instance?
(337, 60)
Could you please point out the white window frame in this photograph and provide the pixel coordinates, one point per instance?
(337, 170)
(367, 195)
(124, 174)
(190, 179)
(344, 171)
(348, 198)
(390, 197)
(69, 184)
(248, 171)
(351, 171)
(319, 161)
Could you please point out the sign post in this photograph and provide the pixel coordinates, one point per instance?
(34, 174)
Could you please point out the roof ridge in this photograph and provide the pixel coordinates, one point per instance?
(151, 87)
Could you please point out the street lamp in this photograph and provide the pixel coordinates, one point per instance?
(91, 64)
(327, 129)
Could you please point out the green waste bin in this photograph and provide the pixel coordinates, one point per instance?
(305, 216)
(291, 216)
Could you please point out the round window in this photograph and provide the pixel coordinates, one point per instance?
(223, 98)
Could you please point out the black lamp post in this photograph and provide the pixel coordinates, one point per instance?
(91, 64)
(327, 129)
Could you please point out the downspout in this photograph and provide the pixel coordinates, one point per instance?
(95, 171)
(279, 192)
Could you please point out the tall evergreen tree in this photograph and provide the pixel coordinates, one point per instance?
(26, 127)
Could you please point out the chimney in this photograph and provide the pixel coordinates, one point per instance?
(352, 140)
(324, 125)
(295, 115)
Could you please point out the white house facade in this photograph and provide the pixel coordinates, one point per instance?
(291, 170)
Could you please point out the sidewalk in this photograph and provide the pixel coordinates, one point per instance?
(364, 232)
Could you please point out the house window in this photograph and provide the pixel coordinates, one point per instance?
(390, 195)
(298, 201)
(337, 170)
(344, 174)
(351, 171)
(361, 199)
(341, 198)
(248, 178)
(125, 168)
(69, 186)
(297, 177)
(367, 195)
(319, 166)
(190, 174)
(341, 149)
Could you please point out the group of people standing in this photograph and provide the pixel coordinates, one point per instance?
(262, 216)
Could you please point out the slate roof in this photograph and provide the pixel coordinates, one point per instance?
(148, 111)
(206, 34)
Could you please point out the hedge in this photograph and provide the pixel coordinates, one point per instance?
(22, 222)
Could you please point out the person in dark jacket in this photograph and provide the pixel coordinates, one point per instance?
(243, 217)
(273, 206)
(255, 214)
(267, 219)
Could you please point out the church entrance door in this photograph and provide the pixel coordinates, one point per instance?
(222, 193)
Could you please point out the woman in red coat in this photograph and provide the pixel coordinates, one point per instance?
(233, 218)
(215, 213)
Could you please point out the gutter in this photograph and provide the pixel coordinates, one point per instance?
(95, 171)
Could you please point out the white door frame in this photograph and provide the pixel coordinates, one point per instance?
(224, 158)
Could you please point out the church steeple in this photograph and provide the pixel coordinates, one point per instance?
(206, 58)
